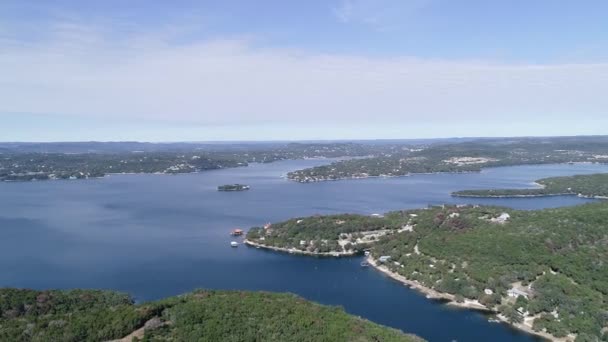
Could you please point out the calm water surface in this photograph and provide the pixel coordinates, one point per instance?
(155, 236)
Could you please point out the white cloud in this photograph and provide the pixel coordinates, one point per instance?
(81, 71)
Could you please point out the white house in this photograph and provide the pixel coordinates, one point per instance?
(503, 218)
(514, 293)
(384, 258)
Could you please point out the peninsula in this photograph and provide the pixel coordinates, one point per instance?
(543, 271)
(471, 156)
(592, 186)
(203, 315)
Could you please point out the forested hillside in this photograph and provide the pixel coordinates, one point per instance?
(549, 267)
(203, 315)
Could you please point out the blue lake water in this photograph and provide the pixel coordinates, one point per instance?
(155, 236)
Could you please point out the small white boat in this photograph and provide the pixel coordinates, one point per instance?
(365, 264)
(366, 253)
(234, 244)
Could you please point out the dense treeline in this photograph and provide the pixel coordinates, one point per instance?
(470, 253)
(85, 315)
(595, 185)
(463, 157)
(78, 315)
(556, 258)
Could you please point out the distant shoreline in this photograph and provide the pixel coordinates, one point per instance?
(513, 196)
(445, 172)
(532, 196)
(386, 176)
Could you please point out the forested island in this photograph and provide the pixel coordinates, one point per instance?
(203, 315)
(233, 187)
(544, 271)
(470, 156)
(593, 186)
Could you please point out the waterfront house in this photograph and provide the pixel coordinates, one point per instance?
(384, 258)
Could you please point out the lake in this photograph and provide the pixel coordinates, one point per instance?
(155, 236)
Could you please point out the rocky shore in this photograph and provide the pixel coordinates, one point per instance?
(467, 304)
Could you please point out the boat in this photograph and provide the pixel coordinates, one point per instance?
(492, 320)
(236, 232)
(364, 264)
(234, 244)
(366, 253)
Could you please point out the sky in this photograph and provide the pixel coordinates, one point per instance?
(73, 70)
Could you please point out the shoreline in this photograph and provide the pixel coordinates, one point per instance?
(297, 251)
(429, 293)
(532, 196)
(467, 304)
(512, 196)
(382, 176)
(482, 169)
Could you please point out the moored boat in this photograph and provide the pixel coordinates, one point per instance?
(234, 244)
(236, 232)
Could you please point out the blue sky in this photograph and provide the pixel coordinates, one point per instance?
(264, 70)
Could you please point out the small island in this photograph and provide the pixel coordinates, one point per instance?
(233, 187)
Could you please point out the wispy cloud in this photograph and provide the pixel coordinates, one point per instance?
(88, 72)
